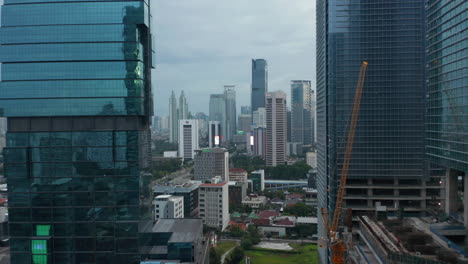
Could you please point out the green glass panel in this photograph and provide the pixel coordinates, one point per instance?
(42, 230)
(39, 259)
(39, 246)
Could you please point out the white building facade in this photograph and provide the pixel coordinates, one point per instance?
(188, 138)
(213, 200)
(168, 206)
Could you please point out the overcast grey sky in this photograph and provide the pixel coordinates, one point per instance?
(202, 45)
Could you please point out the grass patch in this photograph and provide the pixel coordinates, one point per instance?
(306, 253)
(224, 246)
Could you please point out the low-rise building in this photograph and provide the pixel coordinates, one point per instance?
(168, 206)
(254, 201)
(188, 190)
(237, 193)
(214, 203)
(170, 154)
(258, 180)
(237, 175)
(174, 241)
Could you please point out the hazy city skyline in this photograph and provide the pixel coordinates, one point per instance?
(200, 57)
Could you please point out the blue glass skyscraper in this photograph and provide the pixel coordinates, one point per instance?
(447, 95)
(389, 142)
(259, 83)
(75, 87)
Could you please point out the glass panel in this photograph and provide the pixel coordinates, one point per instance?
(74, 13)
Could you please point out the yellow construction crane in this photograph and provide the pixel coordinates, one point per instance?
(336, 243)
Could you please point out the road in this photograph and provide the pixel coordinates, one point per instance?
(273, 240)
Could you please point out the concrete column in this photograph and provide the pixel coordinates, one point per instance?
(451, 189)
(465, 200)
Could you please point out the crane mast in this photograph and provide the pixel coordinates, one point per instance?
(337, 245)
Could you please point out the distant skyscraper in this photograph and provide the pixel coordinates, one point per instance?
(183, 107)
(202, 123)
(157, 123)
(165, 123)
(244, 123)
(214, 134)
(173, 119)
(259, 83)
(259, 117)
(289, 125)
(389, 142)
(301, 112)
(188, 138)
(246, 110)
(259, 148)
(231, 111)
(276, 128)
(218, 112)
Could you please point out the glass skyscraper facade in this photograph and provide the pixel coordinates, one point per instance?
(218, 112)
(231, 111)
(259, 83)
(75, 88)
(302, 121)
(447, 73)
(389, 140)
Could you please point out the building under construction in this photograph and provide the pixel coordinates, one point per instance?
(409, 240)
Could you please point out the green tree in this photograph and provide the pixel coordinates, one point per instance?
(246, 243)
(236, 256)
(236, 231)
(299, 209)
(254, 235)
(215, 257)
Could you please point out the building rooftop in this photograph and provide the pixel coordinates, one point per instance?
(237, 170)
(164, 196)
(176, 188)
(184, 230)
(213, 184)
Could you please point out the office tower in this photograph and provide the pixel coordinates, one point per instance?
(214, 203)
(168, 206)
(173, 119)
(76, 89)
(157, 123)
(259, 117)
(258, 180)
(188, 138)
(214, 134)
(276, 129)
(388, 146)
(183, 107)
(231, 115)
(211, 162)
(259, 147)
(188, 190)
(202, 124)
(246, 110)
(301, 112)
(237, 175)
(447, 94)
(259, 83)
(311, 159)
(165, 123)
(218, 112)
(289, 125)
(244, 123)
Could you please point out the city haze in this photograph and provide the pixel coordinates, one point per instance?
(203, 45)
